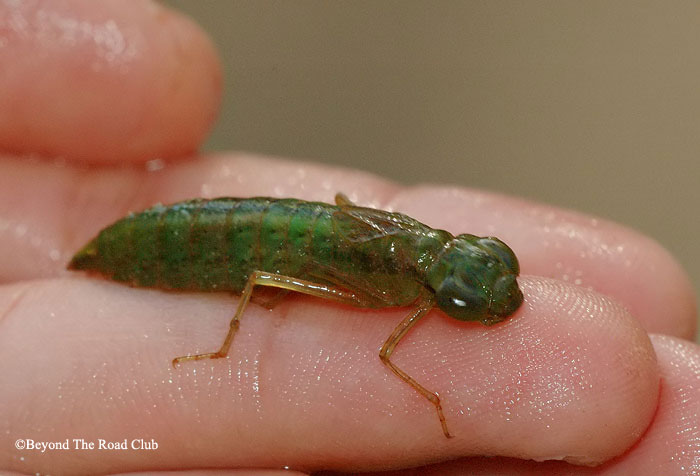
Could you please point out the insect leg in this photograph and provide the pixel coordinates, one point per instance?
(269, 302)
(424, 305)
(262, 278)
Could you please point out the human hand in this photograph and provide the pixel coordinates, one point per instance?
(572, 374)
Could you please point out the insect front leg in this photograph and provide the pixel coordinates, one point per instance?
(425, 303)
(288, 283)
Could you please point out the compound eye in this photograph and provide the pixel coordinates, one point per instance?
(461, 301)
(502, 251)
(507, 297)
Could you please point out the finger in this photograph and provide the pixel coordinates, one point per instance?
(573, 247)
(104, 81)
(38, 232)
(570, 364)
(669, 446)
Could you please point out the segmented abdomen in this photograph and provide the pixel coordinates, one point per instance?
(213, 244)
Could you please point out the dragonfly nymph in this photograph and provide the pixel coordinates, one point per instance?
(354, 255)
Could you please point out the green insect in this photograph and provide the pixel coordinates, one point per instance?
(353, 255)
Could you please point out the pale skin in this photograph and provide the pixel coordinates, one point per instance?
(301, 385)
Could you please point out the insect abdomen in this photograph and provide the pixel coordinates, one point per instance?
(176, 247)
(207, 244)
(193, 252)
(215, 245)
(204, 245)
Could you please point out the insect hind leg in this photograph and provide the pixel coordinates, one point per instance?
(284, 283)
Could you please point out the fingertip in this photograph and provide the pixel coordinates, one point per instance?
(105, 81)
(570, 362)
(573, 247)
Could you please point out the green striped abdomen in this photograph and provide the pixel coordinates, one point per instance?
(193, 245)
(210, 245)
